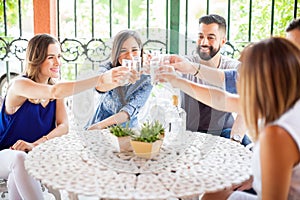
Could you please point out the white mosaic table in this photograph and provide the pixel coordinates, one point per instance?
(85, 163)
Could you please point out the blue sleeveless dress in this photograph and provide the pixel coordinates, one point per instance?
(29, 123)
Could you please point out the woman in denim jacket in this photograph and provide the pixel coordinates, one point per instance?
(121, 102)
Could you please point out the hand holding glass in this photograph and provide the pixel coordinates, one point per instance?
(154, 65)
(137, 64)
(128, 64)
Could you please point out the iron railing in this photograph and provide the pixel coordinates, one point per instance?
(85, 36)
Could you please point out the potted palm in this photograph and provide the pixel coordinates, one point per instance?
(120, 137)
(147, 144)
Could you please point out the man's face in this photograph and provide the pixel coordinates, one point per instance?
(294, 36)
(210, 40)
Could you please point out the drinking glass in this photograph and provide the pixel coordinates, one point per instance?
(137, 63)
(126, 63)
(165, 59)
(154, 65)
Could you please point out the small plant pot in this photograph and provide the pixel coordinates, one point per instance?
(146, 150)
(121, 144)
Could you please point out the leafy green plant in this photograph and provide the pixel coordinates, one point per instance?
(150, 132)
(120, 131)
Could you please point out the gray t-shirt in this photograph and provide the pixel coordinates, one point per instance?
(201, 117)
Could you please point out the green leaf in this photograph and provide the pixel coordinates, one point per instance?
(120, 131)
(150, 132)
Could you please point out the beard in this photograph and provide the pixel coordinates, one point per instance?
(207, 56)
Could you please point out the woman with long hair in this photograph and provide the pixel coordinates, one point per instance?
(269, 100)
(33, 111)
(121, 104)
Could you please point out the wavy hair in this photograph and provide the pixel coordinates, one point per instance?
(36, 54)
(269, 81)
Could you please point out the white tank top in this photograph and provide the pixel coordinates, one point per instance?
(290, 121)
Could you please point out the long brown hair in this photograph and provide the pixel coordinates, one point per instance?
(36, 54)
(269, 81)
(119, 39)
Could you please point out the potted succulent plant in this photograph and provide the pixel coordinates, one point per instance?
(121, 137)
(147, 144)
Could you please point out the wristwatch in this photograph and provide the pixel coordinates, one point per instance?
(236, 138)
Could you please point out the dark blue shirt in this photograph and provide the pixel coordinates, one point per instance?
(29, 123)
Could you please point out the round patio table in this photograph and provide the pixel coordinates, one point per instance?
(87, 163)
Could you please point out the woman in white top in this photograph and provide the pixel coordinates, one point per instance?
(269, 93)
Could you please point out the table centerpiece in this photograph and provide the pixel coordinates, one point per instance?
(149, 140)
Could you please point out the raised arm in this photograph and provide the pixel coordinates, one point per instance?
(210, 75)
(211, 96)
(122, 75)
(24, 87)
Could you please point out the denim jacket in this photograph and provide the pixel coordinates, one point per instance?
(129, 98)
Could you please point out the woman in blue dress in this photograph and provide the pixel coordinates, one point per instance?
(119, 103)
(33, 111)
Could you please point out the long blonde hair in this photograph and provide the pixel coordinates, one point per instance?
(36, 54)
(269, 81)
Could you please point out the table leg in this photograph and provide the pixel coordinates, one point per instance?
(73, 196)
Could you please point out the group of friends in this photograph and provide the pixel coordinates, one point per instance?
(261, 87)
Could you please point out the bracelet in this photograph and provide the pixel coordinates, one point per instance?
(198, 70)
(46, 137)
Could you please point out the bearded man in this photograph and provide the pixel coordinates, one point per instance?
(293, 31)
(211, 38)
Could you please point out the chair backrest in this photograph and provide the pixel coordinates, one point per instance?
(3, 188)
